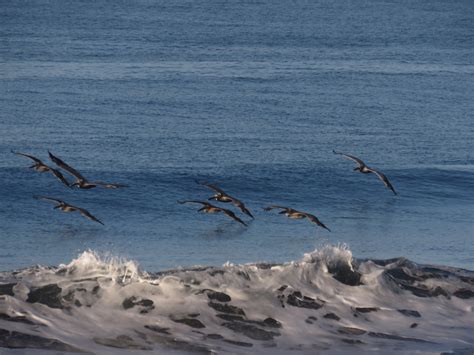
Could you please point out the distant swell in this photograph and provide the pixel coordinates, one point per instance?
(326, 301)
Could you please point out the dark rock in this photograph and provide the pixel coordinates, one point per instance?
(7, 289)
(352, 341)
(18, 319)
(265, 266)
(121, 342)
(331, 316)
(238, 343)
(214, 336)
(77, 303)
(351, 331)
(366, 309)
(231, 317)
(308, 321)
(193, 315)
(49, 295)
(226, 308)
(344, 274)
(218, 296)
(251, 331)
(282, 288)
(312, 318)
(216, 272)
(191, 322)
(409, 313)
(396, 337)
(146, 304)
(96, 290)
(16, 340)
(244, 275)
(129, 302)
(399, 273)
(158, 329)
(272, 323)
(464, 293)
(414, 325)
(438, 291)
(295, 299)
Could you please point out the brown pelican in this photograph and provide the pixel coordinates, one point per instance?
(42, 167)
(81, 181)
(294, 214)
(208, 208)
(66, 207)
(221, 196)
(363, 168)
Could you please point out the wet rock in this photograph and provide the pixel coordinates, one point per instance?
(218, 296)
(18, 319)
(396, 337)
(216, 272)
(265, 266)
(158, 329)
(400, 274)
(238, 343)
(191, 322)
(308, 321)
(193, 315)
(345, 274)
(366, 309)
(214, 336)
(177, 344)
(414, 325)
(409, 313)
(7, 289)
(96, 290)
(272, 323)
(16, 340)
(226, 308)
(351, 331)
(77, 303)
(231, 317)
(296, 299)
(121, 342)
(464, 293)
(331, 316)
(311, 319)
(251, 331)
(49, 295)
(352, 341)
(282, 288)
(267, 322)
(244, 275)
(146, 305)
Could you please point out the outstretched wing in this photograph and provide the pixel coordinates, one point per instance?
(314, 219)
(351, 157)
(232, 215)
(269, 208)
(239, 204)
(29, 156)
(212, 187)
(384, 180)
(86, 214)
(66, 167)
(109, 185)
(38, 197)
(60, 176)
(195, 201)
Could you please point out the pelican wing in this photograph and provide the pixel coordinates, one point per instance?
(269, 208)
(239, 204)
(212, 187)
(66, 167)
(232, 215)
(384, 180)
(29, 156)
(109, 185)
(195, 201)
(314, 219)
(48, 199)
(86, 214)
(351, 157)
(60, 176)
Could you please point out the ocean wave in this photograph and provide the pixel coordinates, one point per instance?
(328, 300)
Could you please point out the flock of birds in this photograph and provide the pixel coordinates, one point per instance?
(219, 195)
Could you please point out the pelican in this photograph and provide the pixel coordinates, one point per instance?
(41, 167)
(364, 169)
(221, 196)
(208, 208)
(66, 207)
(81, 181)
(294, 214)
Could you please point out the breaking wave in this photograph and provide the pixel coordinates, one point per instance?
(326, 301)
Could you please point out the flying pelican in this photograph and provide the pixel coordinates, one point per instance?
(294, 214)
(81, 181)
(363, 168)
(42, 167)
(66, 207)
(208, 208)
(221, 196)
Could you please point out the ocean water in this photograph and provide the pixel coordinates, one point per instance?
(252, 96)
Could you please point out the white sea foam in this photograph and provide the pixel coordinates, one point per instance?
(326, 301)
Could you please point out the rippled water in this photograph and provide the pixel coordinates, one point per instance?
(252, 96)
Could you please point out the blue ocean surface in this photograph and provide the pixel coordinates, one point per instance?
(252, 96)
